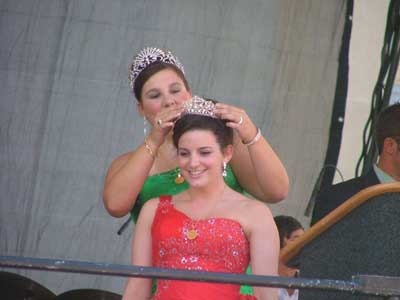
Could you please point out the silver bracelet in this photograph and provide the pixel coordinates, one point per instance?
(254, 140)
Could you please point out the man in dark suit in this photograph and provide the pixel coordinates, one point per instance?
(387, 137)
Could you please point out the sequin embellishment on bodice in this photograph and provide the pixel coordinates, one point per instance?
(213, 244)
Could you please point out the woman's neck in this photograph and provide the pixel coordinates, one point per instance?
(210, 193)
(203, 202)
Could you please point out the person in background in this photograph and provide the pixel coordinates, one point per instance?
(209, 226)
(387, 169)
(289, 229)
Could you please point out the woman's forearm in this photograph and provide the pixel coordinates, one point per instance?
(260, 171)
(270, 173)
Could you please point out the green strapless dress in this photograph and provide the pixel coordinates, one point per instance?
(164, 184)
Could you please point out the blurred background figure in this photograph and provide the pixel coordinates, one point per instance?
(289, 229)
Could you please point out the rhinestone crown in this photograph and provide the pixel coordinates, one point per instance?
(199, 106)
(146, 57)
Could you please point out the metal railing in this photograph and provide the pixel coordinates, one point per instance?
(384, 286)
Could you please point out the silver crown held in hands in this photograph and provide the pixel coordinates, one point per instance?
(146, 57)
(199, 106)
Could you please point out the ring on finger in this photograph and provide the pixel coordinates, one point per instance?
(240, 121)
(159, 122)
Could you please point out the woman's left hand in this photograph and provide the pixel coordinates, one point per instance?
(237, 119)
(258, 162)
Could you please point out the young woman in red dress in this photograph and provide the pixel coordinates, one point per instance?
(208, 227)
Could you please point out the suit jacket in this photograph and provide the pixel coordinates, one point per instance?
(335, 195)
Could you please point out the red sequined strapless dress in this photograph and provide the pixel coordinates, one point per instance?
(213, 244)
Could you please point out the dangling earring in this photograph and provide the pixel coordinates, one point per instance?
(224, 173)
(145, 126)
(179, 178)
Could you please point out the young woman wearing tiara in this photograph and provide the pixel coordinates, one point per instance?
(158, 82)
(208, 227)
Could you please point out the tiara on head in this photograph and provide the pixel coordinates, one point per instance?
(199, 106)
(146, 57)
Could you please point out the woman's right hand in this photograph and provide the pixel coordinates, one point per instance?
(163, 122)
(127, 173)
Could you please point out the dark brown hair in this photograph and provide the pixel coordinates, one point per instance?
(189, 122)
(388, 125)
(286, 226)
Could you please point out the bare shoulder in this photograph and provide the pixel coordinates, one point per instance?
(247, 208)
(148, 212)
(257, 208)
(151, 205)
(255, 214)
